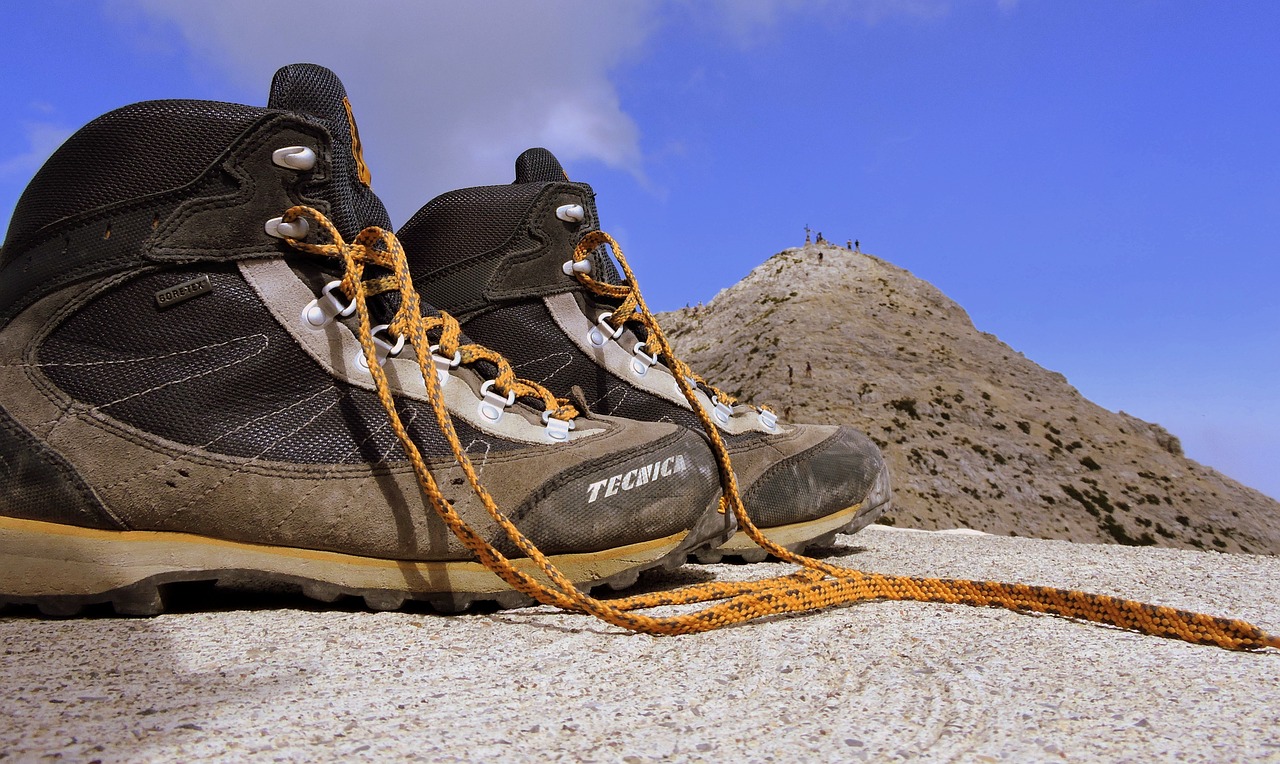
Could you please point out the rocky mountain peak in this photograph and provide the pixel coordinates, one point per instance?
(977, 435)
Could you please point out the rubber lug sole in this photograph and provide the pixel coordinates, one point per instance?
(62, 569)
(799, 536)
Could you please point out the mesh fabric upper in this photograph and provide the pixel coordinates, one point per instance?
(134, 151)
(530, 338)
(218, 372)
(538, 165)
(156, 146)
(317, 92)
(474, 224)
(459, 226)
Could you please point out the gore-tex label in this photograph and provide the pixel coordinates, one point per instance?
(637, 477)
(184, 291)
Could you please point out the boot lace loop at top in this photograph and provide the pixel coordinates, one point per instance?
(817, 585)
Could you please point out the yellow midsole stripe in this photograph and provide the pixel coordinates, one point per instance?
(36, 527)
(786, 534)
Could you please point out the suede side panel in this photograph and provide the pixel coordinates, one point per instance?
(833, 475)
(752, 458)
(204, 226)
(153, 484)
(36, 483)
(535, 273)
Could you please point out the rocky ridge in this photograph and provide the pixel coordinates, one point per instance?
(977, 435)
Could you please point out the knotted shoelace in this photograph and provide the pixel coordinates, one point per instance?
(375, 246)
(816, 586)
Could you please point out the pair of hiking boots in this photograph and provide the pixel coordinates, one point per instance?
(219, 363)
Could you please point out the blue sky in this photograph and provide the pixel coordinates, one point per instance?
(1097, 183)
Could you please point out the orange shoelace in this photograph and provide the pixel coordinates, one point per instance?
(371, 248)
(816, 586)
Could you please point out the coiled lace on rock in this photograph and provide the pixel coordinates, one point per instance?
(817, 586)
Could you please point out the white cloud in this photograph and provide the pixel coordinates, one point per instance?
(42, 139)
(749, 22)
(447, 95)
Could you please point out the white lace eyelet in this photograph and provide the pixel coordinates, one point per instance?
(299, 158)
(570, 267)
(641, 361)
(381, 348)
(281, 230)
(443, 365)
(768, 419)
(493, 406)
(571, 213)
(598, 338)
(721, 411)
(675, 385)
(557, 429)
(322, 311)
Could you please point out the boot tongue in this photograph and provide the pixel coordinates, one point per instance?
(537, 166)
(318, 93)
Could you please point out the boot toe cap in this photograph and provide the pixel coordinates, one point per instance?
(639, 494)
(844, 470)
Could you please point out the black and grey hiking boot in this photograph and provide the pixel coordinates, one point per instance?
(184, 397)
(502, 260)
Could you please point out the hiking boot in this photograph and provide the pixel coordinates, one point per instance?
(184, 395)
(501, 259)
